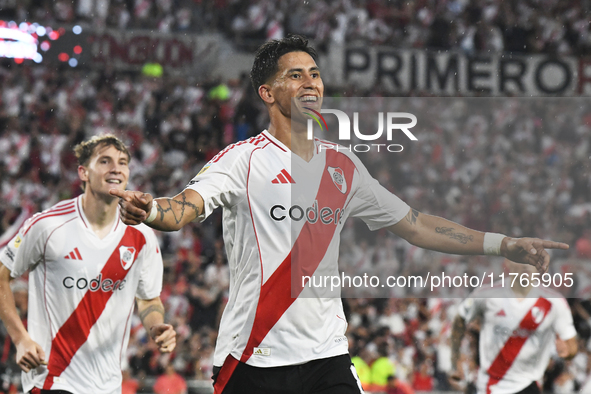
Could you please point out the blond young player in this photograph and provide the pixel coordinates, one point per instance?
(86, 269)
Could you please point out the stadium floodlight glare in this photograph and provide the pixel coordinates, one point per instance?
(73, 62)
(41, 31)
(38, 58)
(77, 29)
(17, 44)
(24, 26)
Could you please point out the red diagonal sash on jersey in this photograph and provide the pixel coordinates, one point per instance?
(74, 332)
(310, 247)
(276, 293)
(509, 352)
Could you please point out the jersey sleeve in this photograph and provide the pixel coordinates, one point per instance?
(563, 324)
(24, 251)
(222, 181)
(150, 283)
(373, 203)
(471, 308)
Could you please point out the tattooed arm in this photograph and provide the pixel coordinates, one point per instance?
(457, 333)
(152, 316)
(435, 233)
(442, 235)
(173, 213)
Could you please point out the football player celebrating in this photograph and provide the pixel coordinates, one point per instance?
(271, 338)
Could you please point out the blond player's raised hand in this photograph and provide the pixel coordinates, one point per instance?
(134, 206)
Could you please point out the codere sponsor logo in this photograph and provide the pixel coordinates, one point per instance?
(96, 284)
(310, 214)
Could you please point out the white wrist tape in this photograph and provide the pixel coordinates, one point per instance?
(153, 213)
(492, 243)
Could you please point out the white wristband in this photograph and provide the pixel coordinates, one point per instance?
(492, 244)
(153, 213)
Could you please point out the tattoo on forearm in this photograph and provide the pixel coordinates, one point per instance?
(183, 203)
(451, 233)
(150, 309)
(412, 216)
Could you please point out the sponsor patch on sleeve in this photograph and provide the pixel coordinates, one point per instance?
(17, 241)
(204, 169)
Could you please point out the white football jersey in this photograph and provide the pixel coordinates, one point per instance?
(82, 292)
(280, 214)
(517, 336)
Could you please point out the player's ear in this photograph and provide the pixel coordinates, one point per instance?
(83, 173)
(266, 94)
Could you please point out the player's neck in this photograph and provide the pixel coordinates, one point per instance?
(521, 292)
(296, 140)
(100, 213)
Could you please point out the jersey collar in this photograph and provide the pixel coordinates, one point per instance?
(85, 221)
(284, 148)
(275, 141)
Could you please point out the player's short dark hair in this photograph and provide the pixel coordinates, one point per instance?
(86, 149)
(266, 60)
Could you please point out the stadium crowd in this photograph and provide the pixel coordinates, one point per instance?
(554, 26)
(519, 169)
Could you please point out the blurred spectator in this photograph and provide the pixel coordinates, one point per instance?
(170, 382)
(129, 385)
(397, 386)
(361, 363)
(422, 379)
(381, 369)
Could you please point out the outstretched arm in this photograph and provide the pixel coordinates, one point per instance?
(152, 316)
(457, 333)
(442, 235)
(169, 214)
(29, 355)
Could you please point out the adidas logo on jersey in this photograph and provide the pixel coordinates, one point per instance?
(74, 255)
(261, 351)
(283, 177)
